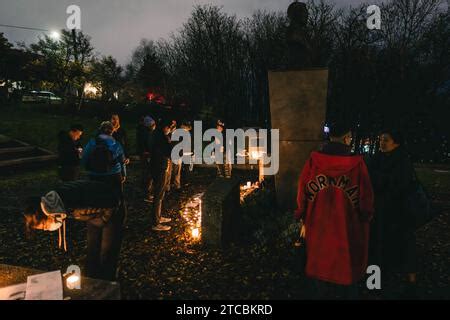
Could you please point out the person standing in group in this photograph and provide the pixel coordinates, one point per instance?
(69, 153)
(144, 141)
(160, 166)
(104, 159)
(177, 167)
(120, 135)
(393, 240)
(335, 203)
(223, 169)
(172, 166)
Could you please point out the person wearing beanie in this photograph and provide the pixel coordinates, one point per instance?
(144, 142)
(92, 202)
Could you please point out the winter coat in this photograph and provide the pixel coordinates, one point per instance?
(117, 155)
(392, 175)
(161, 151)
(92, 196)
(335, 199)
(68, 154)
(121, 136)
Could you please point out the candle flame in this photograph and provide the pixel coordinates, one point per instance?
(73, 279)
(195, 233)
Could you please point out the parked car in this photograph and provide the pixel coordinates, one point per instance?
(41, 97)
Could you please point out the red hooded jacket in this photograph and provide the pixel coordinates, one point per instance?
(335, 199)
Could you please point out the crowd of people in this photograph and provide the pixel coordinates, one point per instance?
(100, 200)
(352, 209)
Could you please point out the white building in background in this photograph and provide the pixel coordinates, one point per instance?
(92, 91)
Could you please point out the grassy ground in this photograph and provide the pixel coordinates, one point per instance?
(29, 124)
(436, 181)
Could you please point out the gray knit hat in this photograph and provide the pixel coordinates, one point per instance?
(106, 127)
(52, 204)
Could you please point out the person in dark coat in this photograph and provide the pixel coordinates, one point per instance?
(224, 169)
(120, 135)
(144, 143)
(160, 166)
(93, 202)
(69, 153)
(393, 241)
(177, 167)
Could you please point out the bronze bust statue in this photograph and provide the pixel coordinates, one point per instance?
(298, 45)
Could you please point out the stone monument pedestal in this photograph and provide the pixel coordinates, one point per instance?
(298, 102)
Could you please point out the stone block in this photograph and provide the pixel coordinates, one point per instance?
(220, 212)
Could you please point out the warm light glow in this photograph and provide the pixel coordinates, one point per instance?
(248, 189)
(72, 281)
(195, 233)
(256, 155)
(192, 215)
(90, 90)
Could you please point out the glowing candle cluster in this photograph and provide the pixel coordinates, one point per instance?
(248, 189)
(192, 215)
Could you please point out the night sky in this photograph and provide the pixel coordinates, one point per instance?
(117, 26)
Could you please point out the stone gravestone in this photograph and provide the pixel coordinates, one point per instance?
(298, 108)
(220, 212)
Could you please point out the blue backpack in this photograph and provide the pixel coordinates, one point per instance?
(101, 158)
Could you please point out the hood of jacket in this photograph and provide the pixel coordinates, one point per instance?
(108, 140)
(334, 165)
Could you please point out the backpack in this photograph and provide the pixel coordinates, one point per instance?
(101, 158)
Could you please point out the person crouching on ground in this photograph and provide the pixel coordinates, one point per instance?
(335, 200)
(96, 203)
(160, 164)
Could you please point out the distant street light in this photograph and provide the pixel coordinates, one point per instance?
(55, 35)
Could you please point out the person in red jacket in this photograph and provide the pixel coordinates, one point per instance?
(335, 202)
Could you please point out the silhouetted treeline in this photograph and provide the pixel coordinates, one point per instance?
(217, 64)
(397, 76)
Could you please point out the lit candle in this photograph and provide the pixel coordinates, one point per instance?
(195, 233)
(73, 282)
